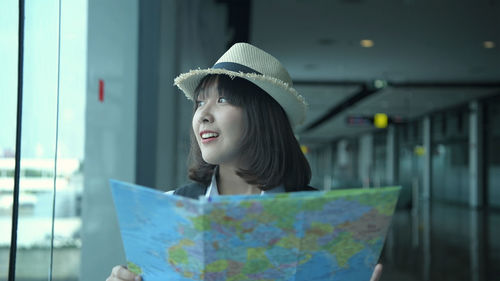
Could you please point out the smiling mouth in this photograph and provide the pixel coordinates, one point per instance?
(208, 136)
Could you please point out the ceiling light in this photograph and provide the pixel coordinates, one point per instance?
(489, 44)
(379, 84)
(366, 43)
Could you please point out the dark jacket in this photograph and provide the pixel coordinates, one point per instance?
(194, 190)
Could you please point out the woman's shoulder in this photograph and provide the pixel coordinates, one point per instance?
(191, 190)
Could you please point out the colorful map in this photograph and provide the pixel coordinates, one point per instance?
(317, 235)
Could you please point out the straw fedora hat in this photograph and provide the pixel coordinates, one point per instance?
(251, 63)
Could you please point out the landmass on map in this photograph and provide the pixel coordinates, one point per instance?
(332, 235)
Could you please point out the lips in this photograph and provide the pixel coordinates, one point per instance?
(207, 136)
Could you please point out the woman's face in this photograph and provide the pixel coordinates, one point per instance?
(218, 127)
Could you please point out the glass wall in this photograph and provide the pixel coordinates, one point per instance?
(345, 174)
(450, 156)
(38, 139)
(8, 108)
(52, 137)
(317, 160)
(335, 165)
(380, 158)
(411, 160)
(492, 152)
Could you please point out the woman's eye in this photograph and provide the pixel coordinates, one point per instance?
(222, 100)
(200, 103)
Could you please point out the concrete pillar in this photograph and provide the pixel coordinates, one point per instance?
(365, 159)
(327, 167)
(427, 169)
(477, 244)
(184, 35)
(476, 155)
(426, 240)
(392, 156)
(110, 129)
(150, 14)
(168, 100)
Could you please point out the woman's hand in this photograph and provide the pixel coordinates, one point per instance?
(121, 273)
(377, 272)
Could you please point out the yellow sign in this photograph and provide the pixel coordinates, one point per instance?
(304, 149)
(380, 120)
(419, 150)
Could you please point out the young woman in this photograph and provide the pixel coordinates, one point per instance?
(242, 140)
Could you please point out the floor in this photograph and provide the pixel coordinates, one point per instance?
(442, 242)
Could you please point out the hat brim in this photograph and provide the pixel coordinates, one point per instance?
(289, 99)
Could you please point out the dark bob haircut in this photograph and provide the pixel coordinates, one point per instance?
(269, 146)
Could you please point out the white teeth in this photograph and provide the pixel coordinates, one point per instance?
(209, 135)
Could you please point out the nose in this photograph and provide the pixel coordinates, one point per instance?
(205, 114)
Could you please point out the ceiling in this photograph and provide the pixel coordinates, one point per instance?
(430, 54)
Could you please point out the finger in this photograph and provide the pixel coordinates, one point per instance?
(377, 272)
(114, 278)
(115, 270)
(121, 272)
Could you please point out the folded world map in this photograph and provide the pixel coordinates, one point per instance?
(313, 235)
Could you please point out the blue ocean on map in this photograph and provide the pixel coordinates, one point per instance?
(318, 235)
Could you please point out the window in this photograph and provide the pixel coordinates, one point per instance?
(8, 104)
(52, 119)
